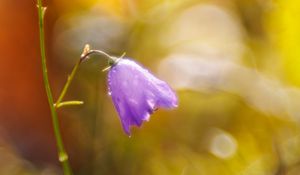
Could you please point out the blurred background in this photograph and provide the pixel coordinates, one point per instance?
(235, 65)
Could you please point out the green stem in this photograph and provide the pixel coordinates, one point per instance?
(70, 78)
(86, 53)
(68, 103)
(63, 157)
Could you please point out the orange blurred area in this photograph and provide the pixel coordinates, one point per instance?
(23, 119)
(234, 66)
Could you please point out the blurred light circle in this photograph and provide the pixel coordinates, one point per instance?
(223, 145)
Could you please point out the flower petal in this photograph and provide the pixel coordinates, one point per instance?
(136, 93)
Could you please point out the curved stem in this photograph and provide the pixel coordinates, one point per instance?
(63, 157)
(86, 55)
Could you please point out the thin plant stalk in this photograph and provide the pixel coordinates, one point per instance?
(62, 155)
(85, 55)
(69, 80)
(68, 103)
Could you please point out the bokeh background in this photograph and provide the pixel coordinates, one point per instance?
(235, 65)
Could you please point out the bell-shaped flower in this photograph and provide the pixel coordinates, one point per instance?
(136, 93)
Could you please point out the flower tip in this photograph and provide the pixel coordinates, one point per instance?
(175, 104)
(146, 118)
(127, 132)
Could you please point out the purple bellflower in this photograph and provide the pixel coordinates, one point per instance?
(136, 93)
